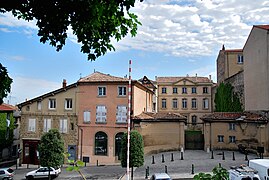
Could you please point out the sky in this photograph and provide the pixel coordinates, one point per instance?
(177, 38)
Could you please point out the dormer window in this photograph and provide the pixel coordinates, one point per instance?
(240, 59)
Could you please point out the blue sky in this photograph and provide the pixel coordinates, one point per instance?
(177, 37)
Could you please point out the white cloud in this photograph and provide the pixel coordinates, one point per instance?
(27, 88)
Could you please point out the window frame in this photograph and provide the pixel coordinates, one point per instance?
(103, 114)
(205, 102)
(184, 90)
(205, 90)
(164, 103)
(63, 127)
(32, 126)
(220, 138)
(39, 105)
(46, 125)
(194, 102)
(240, 59)
(87, 117)
(232, 126)
(122, 90)
(194, 120)
(164, 90)
(175, 90)
(184, 103)
(52, 103)
(67, 103)
(175, 103)
(101, 91)
(100, 143)
(194, 90)
(121, 116)
(232, 139)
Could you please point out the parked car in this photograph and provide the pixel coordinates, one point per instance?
(6, 173)
(243, 172)
(43, 172)
(160, 176)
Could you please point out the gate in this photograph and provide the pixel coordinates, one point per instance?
(194, 140)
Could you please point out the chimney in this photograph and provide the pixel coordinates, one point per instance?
(196, 77)
(64, 83)
(223, 47)
(210, 77)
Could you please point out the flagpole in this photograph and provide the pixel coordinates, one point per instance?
(129, 120)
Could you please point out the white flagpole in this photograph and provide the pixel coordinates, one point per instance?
(129, 120)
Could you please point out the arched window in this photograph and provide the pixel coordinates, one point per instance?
(118, 144)
(100, 143)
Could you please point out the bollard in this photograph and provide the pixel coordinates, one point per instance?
(146, 177)
(219, 164)
(163, 158)
(153, 162)
(172, 157)
(212, 155)
(181, 153)
(233, 157)
(223, 157)
(192, 169)
(97, 162)
(165, 169)
(27, 166)
(246, 156)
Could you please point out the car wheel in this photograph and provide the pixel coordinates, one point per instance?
(29, 177)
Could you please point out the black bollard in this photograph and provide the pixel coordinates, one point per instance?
(233, 157)
(163, 158)
(223, 157)
(27, 166)
(192, 169)
(153, 162)
(246, 156)
(97, 163)
(172, 157)
(219, 164)
(212, 155)
(182, 158)
(165, 169)
(146, 177)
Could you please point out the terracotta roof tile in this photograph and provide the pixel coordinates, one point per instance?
(234, 50)
(176, 79)
(100, 77)
(7, 107)
(266, 27)
(159, 116)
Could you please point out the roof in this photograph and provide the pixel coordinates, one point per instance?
(7, 107)
(176, 79)
(233, 50)
(100, 77)
(265, 27)
(159, 116)
(234, 116)
(147, 82)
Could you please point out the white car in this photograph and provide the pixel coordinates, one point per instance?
(43, 172)
(160, 176)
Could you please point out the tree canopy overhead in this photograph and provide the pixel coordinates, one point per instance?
(94, 22)
(5, 83)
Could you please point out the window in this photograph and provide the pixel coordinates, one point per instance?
(31, 125)
(63, 126)
(193, 90)
(184, 103)
(100, 143)
(240, 59)
(39, 105)
(47, 125)
(205, 90)
(163, 103)
(231, 126)
(231, 139)
(193, 103)
(101, 91)
(174, 90)
(220, 138)
(205, 103)
(27, 108)
(86, 116)
(175, 106)
(101, 114)
(184, 90)
(68, 104)
(164, 90)
(121, 115)
(194, 120)
(52, 103)
(122, 91)
(118, 138)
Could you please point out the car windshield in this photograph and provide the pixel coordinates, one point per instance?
(10, 170)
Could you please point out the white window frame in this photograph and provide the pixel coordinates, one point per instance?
(101, 112)
(175, 90)
(194, 103)
(205, 103)
(101, 91)
(193, 90)
(175, 103)
(232, 126)
(164, 90)
(240, 59)
(121, 116)
(47, 125)
(164, 103)
(184, 90)
(68, 104)
(86, 116)
(193, 118)
(122, 90)
(232, 139)
(205, 90)
(52, 103)
(31, 124)
(63, 126)
(220, 138)
(39, 105)
(184, 103)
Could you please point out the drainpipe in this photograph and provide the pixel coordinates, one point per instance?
(81, 141)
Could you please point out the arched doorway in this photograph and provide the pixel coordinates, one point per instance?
(100, 143)
(118, 144)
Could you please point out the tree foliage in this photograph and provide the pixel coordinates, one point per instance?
(6, 134)
(5, 83)
(136, 150)
(93, 22)
(226, 100)
(51, 149)
(218, 173)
